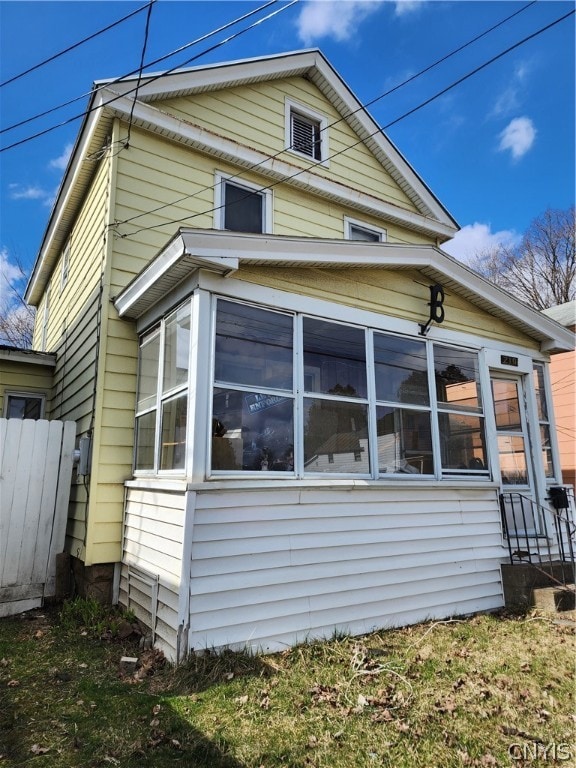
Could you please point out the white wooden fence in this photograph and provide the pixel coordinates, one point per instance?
(36, 460)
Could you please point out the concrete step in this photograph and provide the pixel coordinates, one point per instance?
(554, 599)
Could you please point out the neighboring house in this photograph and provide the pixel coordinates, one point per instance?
(25, 383)
(237, 280)
(563, 386)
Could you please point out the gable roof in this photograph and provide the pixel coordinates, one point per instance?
(115, 99)
(223, 252)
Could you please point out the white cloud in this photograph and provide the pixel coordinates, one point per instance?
(333, 18)
(510, 99)
(9, 272)
(60, 163)
(518, 137)
(477, 238)
(404, 7)
(32, 192)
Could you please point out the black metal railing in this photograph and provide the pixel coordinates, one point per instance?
(543, 536)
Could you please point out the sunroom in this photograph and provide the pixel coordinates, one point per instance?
(314, 448)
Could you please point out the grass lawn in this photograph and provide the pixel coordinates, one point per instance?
(494, 690)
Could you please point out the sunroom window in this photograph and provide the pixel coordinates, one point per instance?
(460, 412)
(162, 398)
(335, 405)
(543, 421)
(403, 415)
(253, 400)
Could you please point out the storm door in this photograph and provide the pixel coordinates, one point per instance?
(515, 454)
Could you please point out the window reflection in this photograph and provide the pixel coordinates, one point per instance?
(404, 441)
(457, 378)
(401, 370)
(512, 455)
(335, 437)
(462, 442)
(252, 431)
(334, 358)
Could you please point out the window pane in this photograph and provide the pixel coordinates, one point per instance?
(540, 393)
(546, 450)
(506, 405)
(173, 448)
(177, 348)
(462, 442)
(401, 370)
(242, 209)
(335, 437)
(253, 432)
(23, 407)
(457, 378)
(404, 441)
(148, 373)
(334, 359)
(512, 453)
(253, 346)
(145, 431)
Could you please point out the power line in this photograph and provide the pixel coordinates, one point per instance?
(361, 108)
(145, 43)
(134, 71)
(379, 130)
(72, 47)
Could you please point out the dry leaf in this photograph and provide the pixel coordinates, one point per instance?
(36, 749)
(241, 700)
(156, 709)
(13, 683)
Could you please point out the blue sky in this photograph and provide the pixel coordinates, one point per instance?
(497, 150)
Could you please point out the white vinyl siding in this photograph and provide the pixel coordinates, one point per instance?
(269, 569)
(153, 543)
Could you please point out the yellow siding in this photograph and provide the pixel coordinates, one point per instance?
(402, 294)
(232, 112)
(22, 377)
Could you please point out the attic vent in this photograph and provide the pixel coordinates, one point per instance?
(306, 136)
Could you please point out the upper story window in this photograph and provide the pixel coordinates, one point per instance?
(23, 405)
(242, 207)
(306, 132)
(356, 230)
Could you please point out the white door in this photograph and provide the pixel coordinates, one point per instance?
(515, 455)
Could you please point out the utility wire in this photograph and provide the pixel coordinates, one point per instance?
(361, 108)
(145, 43)
(379, 130)
(153, 78)
(134, 71)
(72, 47)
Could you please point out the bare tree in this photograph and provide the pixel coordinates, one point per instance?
(541, 270)
(16, 317)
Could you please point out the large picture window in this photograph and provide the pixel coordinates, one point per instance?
(306, 396)
(162, 396)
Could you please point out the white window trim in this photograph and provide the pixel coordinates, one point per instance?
(219, 207)
(8, 393)
(291, 106)
(349, 223)
(45, 318)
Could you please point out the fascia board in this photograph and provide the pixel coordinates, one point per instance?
(159, 85)
(43, 265)
(29, 357)
(151, 118)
